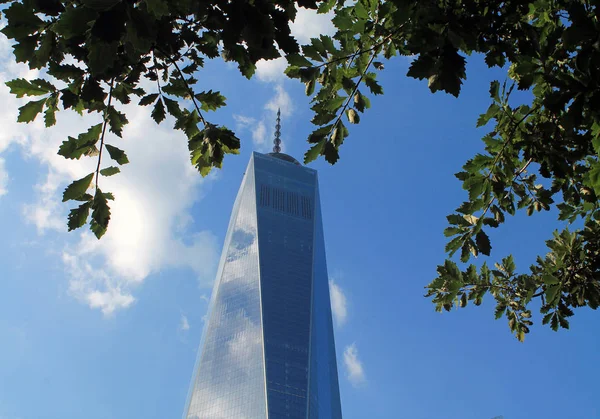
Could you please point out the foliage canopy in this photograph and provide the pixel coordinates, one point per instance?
(538, 155)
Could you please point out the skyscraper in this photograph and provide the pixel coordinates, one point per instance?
(268, 349)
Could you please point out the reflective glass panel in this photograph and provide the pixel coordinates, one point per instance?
(230, 375)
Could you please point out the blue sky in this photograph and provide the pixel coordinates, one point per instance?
(110, 329)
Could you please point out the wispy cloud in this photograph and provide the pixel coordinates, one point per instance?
(3, 177)
(281, 100)
(150, 219)
(339, 304)
(184, 324)
(354, 367)
(259, 134)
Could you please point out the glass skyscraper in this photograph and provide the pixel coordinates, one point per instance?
(268, 349)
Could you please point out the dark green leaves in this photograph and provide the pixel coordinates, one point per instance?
(116, 154)
(116, 120)
(483, 243)
(100, 214)
(37, 87)
(148, 99)
(158, 8)
(444, 69)
(29, 111)
(210, 100)
(209, 146)
(298, 60)
(74, 148)
(158, 113)
(109, 171)
(22, 21)
(78, 216)
(77, 188)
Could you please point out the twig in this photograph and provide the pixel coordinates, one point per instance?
(333, 127)
(357, 53)
(189, 89)
(112, 82)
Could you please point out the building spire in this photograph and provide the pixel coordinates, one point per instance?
(277, 140)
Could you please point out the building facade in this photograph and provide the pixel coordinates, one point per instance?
(268, 349)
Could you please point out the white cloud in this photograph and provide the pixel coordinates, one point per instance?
(282, 101)
(150, 217)
(262, 128)
(259, 134)
(242, 121)
(310, 24)
(339, 305)
(354, 367)
(184, 324)
(11, 132)
(3, 178)
(272, 70)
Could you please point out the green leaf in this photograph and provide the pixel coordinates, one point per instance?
(564, 323)
(342, 22)
(77, 188)
(100, 214)
(22, 20)
(100, 5)
(310, 87)
(22, 87)
(492, 112)
(552, 291)
(334, 103)
(483, 243)
(158, 8)
(210, 100)
(29, 111)
(499, 311)
(101, 57)
(51, 108)
(372, 84)
(148, 99)
(109, 171)
(298, 60)
(158, 113)
(78, 216)
(314, 152)
(594, 177)
(327, 42)
(172, 107)
(74, 148)
(116, 120)
(550, 279)
(116, 154)
(74, 22)
(494, 89)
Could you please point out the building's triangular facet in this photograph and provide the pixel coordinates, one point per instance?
(268, 349)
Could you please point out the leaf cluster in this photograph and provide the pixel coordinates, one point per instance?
(96, 54)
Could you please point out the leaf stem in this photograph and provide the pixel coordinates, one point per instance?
(189, 89)
(333, 127)
(105, 117)
(359, 52)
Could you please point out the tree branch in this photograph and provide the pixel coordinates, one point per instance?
(333, 127)
(105, 117)
(189, 89)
